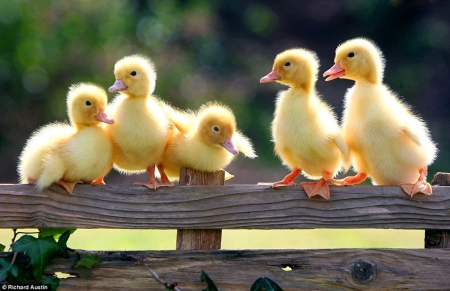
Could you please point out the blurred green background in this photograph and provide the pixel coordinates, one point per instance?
(216, 50)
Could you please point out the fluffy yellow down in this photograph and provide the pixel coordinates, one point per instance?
(80, 151)
(386, 140)
(141, 129)
(304, 129)
(200, 144)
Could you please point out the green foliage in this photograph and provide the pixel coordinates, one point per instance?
(7, 268)
(266, 284)
(55, 232)
(205, 278)
(51, 281)
(262, 284)
(40, 250)
(87, 261)
(2, 248)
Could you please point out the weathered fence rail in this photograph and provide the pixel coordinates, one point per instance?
(221, 207)
(243, 207)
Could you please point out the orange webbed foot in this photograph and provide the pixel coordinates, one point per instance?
(348, 181)
(320, 188)
(99, 181)
(421, 186)
(69, 186)
(287, 181)
(418, 187)
(155, 185)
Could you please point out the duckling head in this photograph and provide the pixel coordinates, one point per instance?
(135, 76)
(216, 126)
(295, 68)
(86, 104)
(358, 59)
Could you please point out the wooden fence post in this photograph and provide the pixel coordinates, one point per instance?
(438, 238)
(200, 239)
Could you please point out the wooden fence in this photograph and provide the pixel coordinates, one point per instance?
(201, 212)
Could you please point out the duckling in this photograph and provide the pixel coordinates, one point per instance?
(142, 127)
(387, 142)
(305, 130)
(69, 154)
(209, 144)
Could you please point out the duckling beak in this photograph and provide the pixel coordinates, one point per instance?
(230, 146)
(117, 86)
(271, 77)
(334, 72)
(103, 117)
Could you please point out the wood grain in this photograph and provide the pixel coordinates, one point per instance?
(424, 269)
(438, 238)
(200, 239)
(221, 207)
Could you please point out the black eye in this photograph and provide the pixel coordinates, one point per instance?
(287, 64)
(133, 73)
(351, 55)
(88, 103)
(216, 129)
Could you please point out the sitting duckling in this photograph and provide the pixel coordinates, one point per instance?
(387, 141)
(69, 154)
(207, 142)
(305, 130)
(142, 127)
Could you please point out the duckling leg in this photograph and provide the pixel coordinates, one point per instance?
(320, 187)
(421, 186)
(68, 185)
(31, 181)
(100, 180)
(350, 180)
(152, 183)
(287, 181)
(165, 182)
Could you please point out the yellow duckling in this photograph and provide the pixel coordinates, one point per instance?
(209, 144)
(386, 141)
(142, 127)
(69, 154)
(305, 130)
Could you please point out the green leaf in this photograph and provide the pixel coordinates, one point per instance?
(62, 242)
(55, 232)
(210, 284)
(87, 261)
(2, 248)
(266, 284)
(7, 268)
(40, 251)
(51, 281)
(258, 285)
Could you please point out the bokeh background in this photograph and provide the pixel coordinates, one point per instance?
(216, 50)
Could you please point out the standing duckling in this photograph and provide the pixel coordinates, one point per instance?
(387, 141)
(142, 127)
(69, 154)
(206, 142)
(305, 130)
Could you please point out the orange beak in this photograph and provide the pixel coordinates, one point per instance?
(334, 72)
(271, 77)
(103, 117)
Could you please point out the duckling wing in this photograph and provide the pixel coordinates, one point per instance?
(244, 144)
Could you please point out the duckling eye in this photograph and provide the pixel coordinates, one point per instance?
(88, 103)
(351, 55)
(133, 73)
(287, 64)
(216, 129)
